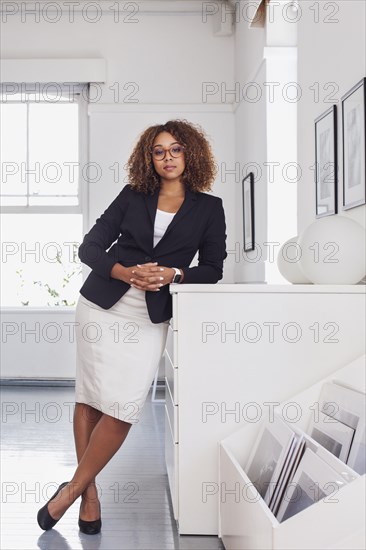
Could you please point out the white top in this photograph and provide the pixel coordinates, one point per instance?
(162, 220)
(264, 288)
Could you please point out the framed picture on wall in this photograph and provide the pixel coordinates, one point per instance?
(326, 163)
(248, 212)
(354, 146)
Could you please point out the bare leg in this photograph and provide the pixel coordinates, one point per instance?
(85, 420)
(105, 440)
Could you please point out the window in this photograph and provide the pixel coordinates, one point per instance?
(42, 192)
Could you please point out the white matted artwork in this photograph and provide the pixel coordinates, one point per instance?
(349, 407)
(326, 163)
(314, 480)
(268, 456)
(332, 435)
(354, 146)
(288, 471)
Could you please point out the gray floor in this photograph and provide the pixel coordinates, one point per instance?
(38, 454)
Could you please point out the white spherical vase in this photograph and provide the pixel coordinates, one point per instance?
(333, 251)
(288, 259)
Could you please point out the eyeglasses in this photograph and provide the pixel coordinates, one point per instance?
(159, 153)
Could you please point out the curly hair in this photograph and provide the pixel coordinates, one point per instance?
(200, 167)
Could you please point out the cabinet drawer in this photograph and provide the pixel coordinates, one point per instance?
(171, 378)
(173, 321)
(171, 461)
(172, 412)
(171, 345)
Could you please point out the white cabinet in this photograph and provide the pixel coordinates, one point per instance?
(232, 351)
(246, 522)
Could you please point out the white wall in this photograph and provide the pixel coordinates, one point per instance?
(38, 343)
(265, 137)
(162, 57)
(331, 56)
(251, 143)
(123, 126)
(159, 59)
(251, 150)
(282, 170)
(167, 54)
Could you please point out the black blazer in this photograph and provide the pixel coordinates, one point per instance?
(198, 225)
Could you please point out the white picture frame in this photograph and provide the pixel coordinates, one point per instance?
(288, 472)
(326, 163)
(349, 407)
(268, 456)
(354, 145)
(333, 435)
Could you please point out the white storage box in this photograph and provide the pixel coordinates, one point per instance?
(246, 522)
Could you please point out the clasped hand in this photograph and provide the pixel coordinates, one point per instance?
(149, 276)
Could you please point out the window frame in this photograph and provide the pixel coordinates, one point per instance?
(80, 92)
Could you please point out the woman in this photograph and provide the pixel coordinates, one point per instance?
(159, 221)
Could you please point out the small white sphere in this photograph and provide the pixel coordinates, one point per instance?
(333, 251)
(288, 259)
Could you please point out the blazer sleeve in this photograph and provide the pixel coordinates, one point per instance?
(104, 232)
(212, 250)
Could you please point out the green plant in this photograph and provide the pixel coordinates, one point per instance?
(55, 293)
(19, 272)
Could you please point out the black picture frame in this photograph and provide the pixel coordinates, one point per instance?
(248, 212)
(326, 163)
(354, 145)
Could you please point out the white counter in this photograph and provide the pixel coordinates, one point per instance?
(232, 348)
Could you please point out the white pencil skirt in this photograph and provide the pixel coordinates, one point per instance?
(118, 351)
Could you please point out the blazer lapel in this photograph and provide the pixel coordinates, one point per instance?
(151, 201)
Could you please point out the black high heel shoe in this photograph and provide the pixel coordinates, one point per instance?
(45, 520)
(90, 527)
